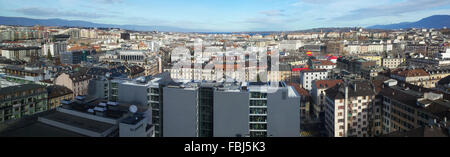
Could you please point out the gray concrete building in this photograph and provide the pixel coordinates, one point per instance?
(199, 109)
(231, 110)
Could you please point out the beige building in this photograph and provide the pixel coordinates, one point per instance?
(392, 63)
(370, 57)
(56, 94)
(78, 83)
(418, 77)
(407, 111)
(436, 74)
(318, 94)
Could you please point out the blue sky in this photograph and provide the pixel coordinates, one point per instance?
(230, 15)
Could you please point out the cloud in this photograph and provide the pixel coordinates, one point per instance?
(311, 2)
(392, 9)
(108, 1)
(51, 12)
(273, 13)
(267, 23)
(263, 20)
(320, 19)
(266, 20)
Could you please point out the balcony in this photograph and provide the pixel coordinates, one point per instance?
(258, 114)
(258, 122)
(255, 127)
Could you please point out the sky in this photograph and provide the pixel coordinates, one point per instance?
(231, 15)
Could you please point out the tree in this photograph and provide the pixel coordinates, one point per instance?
(49, 55)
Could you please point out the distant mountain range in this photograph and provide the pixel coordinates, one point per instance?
(436, 21)
(21, 21)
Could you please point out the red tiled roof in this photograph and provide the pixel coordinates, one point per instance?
(410, 73)
(327, 83)
(314, 70)
(301, 91)
(327, 62)
(324, 62)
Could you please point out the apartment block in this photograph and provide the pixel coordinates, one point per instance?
(231, 110)
(348, 109)
(309, 75)
(22, 100)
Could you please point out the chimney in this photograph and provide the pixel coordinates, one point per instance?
(345, 108)
(346, 91)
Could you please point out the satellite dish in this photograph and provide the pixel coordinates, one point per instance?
(133, 109)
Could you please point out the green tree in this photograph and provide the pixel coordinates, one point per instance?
(49, 55)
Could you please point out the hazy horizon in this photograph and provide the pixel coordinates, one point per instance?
(231, 15)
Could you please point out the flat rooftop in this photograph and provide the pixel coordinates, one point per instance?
(38, 129)
(20, 88)
(133, 120)
(79, 122)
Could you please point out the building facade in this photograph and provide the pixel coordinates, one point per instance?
(77, 82)
(56, 94)
(22, 100)
(309, 75)
(318, 95)
(203, 110)
(347, 112)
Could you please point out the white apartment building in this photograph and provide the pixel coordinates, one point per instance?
(392, 63)
(88, 33)
(308, 76)
(353, 49)
(347, 109)
(290, 44)
(375, 48)
(323, 64)
(132, 56)
(387, 47)
(54, 48)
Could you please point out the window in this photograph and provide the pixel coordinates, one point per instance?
(258, 95)
(258, 102)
